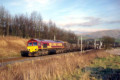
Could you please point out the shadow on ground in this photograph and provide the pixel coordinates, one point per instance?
(24, 53)
(104, 74)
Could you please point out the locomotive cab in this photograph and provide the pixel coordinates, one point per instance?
(32, 45)
(42, 47)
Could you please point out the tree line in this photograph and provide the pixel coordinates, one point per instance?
(108, 42)
(31, 26)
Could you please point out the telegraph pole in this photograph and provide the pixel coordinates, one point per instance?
(78, 41)
(95, 43)
(54, 38)
(81, 44)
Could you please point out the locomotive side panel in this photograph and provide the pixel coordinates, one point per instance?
(57, 45)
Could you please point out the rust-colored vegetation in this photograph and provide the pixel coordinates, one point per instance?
(53, 68)
(11, 46)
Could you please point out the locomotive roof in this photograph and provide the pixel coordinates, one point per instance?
(53, 40)
(45, 40)
(34, 40)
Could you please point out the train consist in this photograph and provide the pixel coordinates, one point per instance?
(38, 47)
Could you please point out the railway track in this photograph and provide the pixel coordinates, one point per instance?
(4, 62)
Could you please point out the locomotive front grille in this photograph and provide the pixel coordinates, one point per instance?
(32, 48)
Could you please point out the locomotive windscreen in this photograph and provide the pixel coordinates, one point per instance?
(30, 44)
(34, 43)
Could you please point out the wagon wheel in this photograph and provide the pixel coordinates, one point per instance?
(57, 51)
(46, 52)
(42, 53)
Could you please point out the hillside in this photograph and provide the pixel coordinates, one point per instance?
(11, 46)
(99, 34)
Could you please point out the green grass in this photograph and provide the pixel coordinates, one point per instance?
(99, 69)
(117, 40)
(109, 62)
(105, 68)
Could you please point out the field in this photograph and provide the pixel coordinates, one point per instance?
(66, 67)
(11, 46)
(105, 68)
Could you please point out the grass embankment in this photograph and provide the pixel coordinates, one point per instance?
(11, 46)
(106, 68)
(64, 67)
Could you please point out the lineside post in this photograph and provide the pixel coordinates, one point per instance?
(95, 44)
(81, 44)
(78, 41)
(54, 37)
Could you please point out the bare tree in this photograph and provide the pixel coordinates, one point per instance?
(8, 23)
(34, 17)
(31, 26)
(2, 20)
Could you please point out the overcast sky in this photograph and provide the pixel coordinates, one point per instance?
(79, 16)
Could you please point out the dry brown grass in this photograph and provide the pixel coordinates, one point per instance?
(54, 68)
(11, 46)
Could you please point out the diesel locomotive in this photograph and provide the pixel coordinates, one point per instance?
(36, 47)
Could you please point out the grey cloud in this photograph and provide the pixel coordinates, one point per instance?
(92, 22)
(113, 22)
